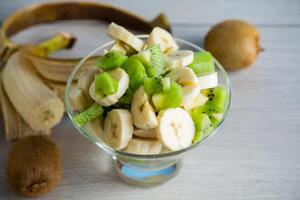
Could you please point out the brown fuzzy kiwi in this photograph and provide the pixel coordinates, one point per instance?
(34, 166)
(234, 43)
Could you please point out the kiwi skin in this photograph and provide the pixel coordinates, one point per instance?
(34, 166)
(234, 43)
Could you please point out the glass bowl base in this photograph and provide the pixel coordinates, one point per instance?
(145, 178)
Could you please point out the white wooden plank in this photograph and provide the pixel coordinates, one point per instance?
(199, 11)
(255, 156)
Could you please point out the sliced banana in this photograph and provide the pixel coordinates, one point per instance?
(183, 76)
(124, 48)
(86, 78)
(118, 128)
(96, 128)
(189, 82)
(120, 33)
(208, 81)
(142, 111)
(190, 93)
(179, 58)
(200, 100)
(123, 82)
(79, 100)
(144, 146)
(145, 133)
(176, 128)
(163, 38)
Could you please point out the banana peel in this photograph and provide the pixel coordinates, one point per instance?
(56, 69)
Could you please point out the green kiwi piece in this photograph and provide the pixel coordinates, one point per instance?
(153, 60)
(105, 84)
(33, 166)
(203, 126)
(203, 63)
(111, 60)
(171, 98)
(156, 85)
(207, 110)
(135, 70)
(217, 98)
(215, 106)
(91, 113)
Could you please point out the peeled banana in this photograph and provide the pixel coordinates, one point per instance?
(15, 127)
(58, 87)
(39, 106)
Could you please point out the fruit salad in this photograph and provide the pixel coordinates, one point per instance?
(149, 96)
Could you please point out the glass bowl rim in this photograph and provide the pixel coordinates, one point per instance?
(117, 153)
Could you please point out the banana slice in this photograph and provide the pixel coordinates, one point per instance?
(120, 33)
(124, 48)
(86, 78)
(142, 111)
(176, 128)
(208, 81)
(78, 99)
(96, 128)
(144, 146)
(179, 58)
(118, 128)
(189, 82)
(183, 76)
(200, 100)
(145, 133)
(123, 82)
(190, 93)
(163, 38)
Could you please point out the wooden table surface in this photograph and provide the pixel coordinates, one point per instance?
(255, 156)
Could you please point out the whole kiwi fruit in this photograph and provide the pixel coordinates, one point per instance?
(234, 43)
(34, 166)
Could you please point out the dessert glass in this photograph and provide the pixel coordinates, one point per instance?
(144, 170)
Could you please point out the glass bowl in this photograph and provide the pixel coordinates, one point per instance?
(143, 170)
